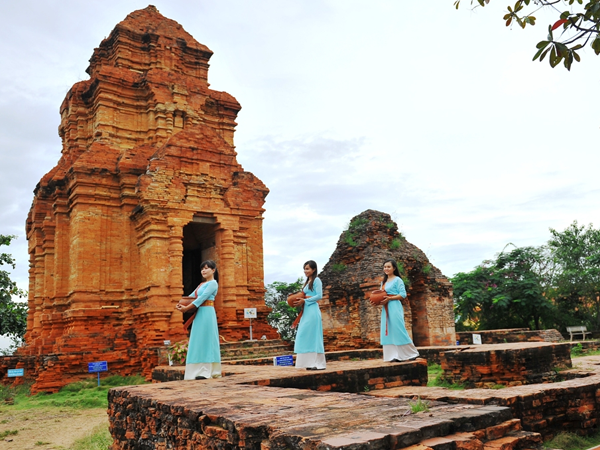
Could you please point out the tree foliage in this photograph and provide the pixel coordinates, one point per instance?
(576, 282)
(282, 315)
(13, 315)
(507, 292)
(578, 22)
(555, 285)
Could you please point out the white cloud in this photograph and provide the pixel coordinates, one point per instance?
(433, 115)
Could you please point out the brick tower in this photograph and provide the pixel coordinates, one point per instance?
(147, 187)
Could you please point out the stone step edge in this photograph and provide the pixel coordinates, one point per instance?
(494, 437)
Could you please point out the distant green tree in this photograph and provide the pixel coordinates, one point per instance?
(13, 315)
(579, 21)
(282, 315)
(576, 281)
(507, 292)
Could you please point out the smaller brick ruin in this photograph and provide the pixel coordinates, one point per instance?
(355, 269)
(486, 366)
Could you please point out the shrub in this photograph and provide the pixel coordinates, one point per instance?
(358, 222)
(395, 244)
(178, 351)
(339, 267)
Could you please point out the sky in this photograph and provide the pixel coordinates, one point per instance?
(433, 115)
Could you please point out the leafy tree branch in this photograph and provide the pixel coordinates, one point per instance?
(580, 25)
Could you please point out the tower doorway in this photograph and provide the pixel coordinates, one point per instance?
(198, 246)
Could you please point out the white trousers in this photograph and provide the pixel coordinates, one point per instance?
(310, 360)
(206, 370)
(399, 352)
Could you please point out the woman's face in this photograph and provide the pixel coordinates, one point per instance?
(308, 271)
(388, 269)
(207, 272)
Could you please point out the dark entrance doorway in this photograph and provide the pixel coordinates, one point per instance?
(198, 246)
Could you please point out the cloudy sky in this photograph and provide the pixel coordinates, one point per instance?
(435, 116)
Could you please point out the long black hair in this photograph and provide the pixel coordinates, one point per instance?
(394, 265)
(312, 265)
(211, 265)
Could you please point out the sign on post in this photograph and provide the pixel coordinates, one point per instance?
(285, 360)
(250, 313)
(98, 366)
(15, 372)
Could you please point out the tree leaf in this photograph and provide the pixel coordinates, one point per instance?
(558, 23)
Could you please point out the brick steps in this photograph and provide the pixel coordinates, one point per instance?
(254, 349)
(507, 435)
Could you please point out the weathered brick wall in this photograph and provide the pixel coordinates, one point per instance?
(147, 184)
(509, 335)
(505, 364)
(249, 408)
(355, 269)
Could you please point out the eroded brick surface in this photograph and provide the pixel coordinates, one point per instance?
(262, 408)
(505, 364)
(147, 186)
(355, 269)
(509, 335)
(572, 405)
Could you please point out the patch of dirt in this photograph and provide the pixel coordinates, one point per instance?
(45, 429)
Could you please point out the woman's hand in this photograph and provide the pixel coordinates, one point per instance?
(299, 302)
(387, 299)
(183, 308)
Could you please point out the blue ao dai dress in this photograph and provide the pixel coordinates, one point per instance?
(397, 345)
(309, 339)
(204, 353)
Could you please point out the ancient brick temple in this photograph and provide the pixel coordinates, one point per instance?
(355, 269)
(146, 188)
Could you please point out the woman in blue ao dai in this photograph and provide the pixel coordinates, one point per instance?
(397, 344)
(203, 358)
(309, 349)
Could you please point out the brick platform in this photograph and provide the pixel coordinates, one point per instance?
(509, 335)
(342, 376)
(249, 409)
(505, 364)
(571, 405)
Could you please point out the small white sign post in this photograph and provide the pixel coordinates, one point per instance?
(250, 313)
(167, 343)
(477, 339)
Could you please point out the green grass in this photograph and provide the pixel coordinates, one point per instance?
(3, 434)
(349, 239)
(358, 222)
(396, 243)
(435, 377)
(80, 395)
(577, 351)
(418, 406)
(339, 267)
(100, 439)
(571, 441)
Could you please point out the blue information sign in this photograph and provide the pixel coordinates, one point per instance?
(15, 372)
(98, 366)
(285, 360)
